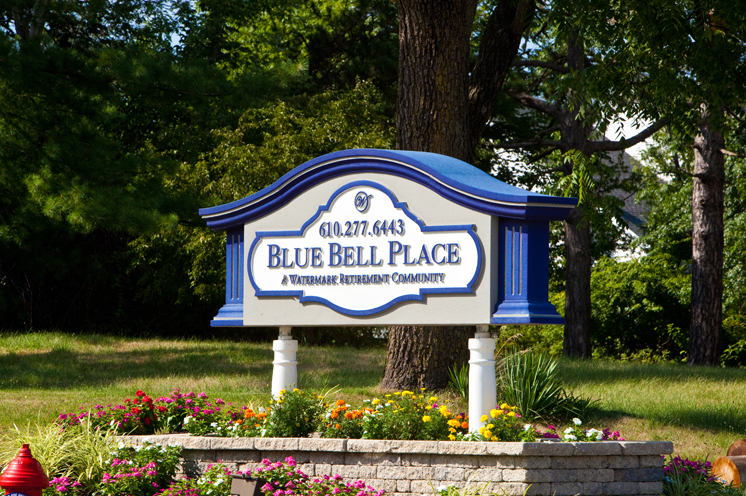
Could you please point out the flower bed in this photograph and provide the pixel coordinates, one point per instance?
(410, 468)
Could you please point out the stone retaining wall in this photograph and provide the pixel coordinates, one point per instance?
(409, 468)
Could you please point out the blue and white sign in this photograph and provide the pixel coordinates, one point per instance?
(362, 253)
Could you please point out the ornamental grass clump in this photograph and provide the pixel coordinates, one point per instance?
(408, 416)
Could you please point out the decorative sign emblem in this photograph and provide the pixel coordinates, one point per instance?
(361, 257)
(361, 201)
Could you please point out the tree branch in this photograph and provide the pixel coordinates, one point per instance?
(526, 144)
(540, 63)
(537, 104)
(613, 146)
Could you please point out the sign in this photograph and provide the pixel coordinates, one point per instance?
(363, 252)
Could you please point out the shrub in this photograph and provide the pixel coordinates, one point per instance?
(502, 424)
(294, 414)
(405, 415)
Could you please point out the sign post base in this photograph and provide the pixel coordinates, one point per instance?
(482, 386)
(285, 366)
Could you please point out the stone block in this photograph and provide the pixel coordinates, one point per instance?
(599, 448)
(280, 456)
(651, 461)
(415, 446)
(390, 472)
(638, 475)
(325, 457)
(463, 461)
(598, 462)
(592, 488)
(423, 486)
(449, 474)
(595, 475)
(486, 475)
(518, 489)
(195, 443)
(621, 488)
(387, 485)
(646, 447)
(624, 462)
(200, 455)
(461, 448)
(322, 469)
(651, 487)
(566, 488)
(563, 462)
(547, 449)
(533, 462)
(276, 444)
(240, 456)
(514, 474)
(357, 458)
(314, 444)
(367, 471)
(499, 449)
(384, 459)
(415, 460)
(346, 471)
(232, 443)
(308, 469)
(369, 446)
(402, 486)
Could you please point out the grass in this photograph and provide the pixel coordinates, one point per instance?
(702, 410)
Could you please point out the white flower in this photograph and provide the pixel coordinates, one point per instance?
(261, 409)
(599, 435)
(214, 424)
(527, 427)
(187, 419)
(219, 481)
(570, 437)
(120, 445)
(577, 421)
(569, 430)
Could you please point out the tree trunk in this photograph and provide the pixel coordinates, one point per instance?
(577, 336)
(419, 357)
(707, 245)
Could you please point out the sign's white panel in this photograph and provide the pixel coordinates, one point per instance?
(362, 253)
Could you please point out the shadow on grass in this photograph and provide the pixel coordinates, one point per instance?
(63, 368)
(682, 389)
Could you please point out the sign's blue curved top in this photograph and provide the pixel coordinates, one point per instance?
(451, 178)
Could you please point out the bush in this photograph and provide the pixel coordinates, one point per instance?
(294, 414)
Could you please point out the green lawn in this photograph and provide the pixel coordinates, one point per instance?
(45, 374)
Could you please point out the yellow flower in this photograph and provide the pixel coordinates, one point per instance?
(484, 418)
(500, 412)
(433, 399)
(504, 406)
(406, 392)
(452, 437)
(389, 402)
(482, 430)
(444, 411)
(494, 413)
(422, 389)
(295, 390)
(488, 434)
(511, 414)
(426, 418)
(376, 401)
(454, 423)
(428, 407)
(490, 426)
(387, 396)
(282, 391)
(452, 430)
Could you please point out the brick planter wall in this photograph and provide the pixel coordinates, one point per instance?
(408, 468)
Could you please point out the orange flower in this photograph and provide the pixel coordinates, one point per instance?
(464, 425)
(348, 415)
(340, 402)
(239, 421)
(337, 426)
(335, 414)
(249, 413)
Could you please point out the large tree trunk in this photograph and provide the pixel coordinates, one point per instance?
(442, 109)
(577, 337)
(707, 245)
(433, 87)
(419, 357)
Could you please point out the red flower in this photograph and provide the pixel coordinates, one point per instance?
(135, 410)
(147, 420)
(162, 409)
(139, 393)
(135, 401)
